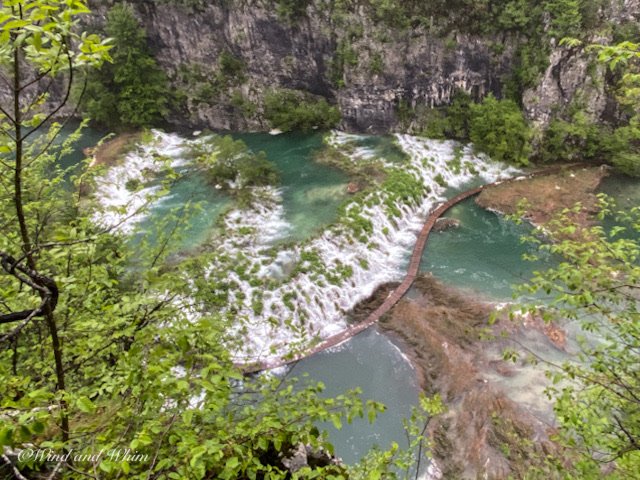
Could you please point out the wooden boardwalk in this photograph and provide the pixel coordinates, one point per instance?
(403, 288)
(392, 299)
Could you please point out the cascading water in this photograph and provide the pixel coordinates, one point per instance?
(302, 292)
(125, 189)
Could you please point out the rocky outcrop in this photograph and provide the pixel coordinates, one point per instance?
(413, 68)
(373, 72)
(302, 456)
(573, 75)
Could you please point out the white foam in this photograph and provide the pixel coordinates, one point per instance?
(280, 295)
(122, 208)
(312, 304)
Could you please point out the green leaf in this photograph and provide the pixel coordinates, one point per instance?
(85, 405)
(6, 436)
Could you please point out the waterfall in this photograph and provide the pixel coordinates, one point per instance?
(285, 295)
(125, 189)
(304, 292)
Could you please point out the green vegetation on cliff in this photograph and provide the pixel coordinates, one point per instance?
(295, 110)
(498, 128)
(131, 91)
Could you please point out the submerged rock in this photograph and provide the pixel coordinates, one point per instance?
(445, 223)
(353, 187)
(488, 431)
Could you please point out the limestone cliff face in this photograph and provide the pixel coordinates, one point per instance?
(370, 70)
(572, 75)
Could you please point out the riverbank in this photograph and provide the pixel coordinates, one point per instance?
(545, 196)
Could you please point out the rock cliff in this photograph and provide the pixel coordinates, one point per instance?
(375, 73)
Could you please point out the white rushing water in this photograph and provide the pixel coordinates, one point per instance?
(125, 190)
(280, 296)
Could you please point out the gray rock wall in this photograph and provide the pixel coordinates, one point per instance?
(413, 67)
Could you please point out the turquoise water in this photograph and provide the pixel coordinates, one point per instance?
(89, 138)
(389, 379)
(192, 204)
(312, 192)
(484, 254)
(626, 191)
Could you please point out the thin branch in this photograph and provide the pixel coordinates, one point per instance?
(55, 470)
(32, 314)
(11, 119)
(16, 472)
(73, 469)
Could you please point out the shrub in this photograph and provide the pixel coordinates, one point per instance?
(231, 68)
(436, 123)
(231, 162)
(290, 10)
(624, 145)
(132, 91)
(575, 140)
(451, 121)
(295, 110)
(498, 128)
(566, 18)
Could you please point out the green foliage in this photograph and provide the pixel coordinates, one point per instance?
(345, 56)
(566, 18)
(404, 113)
(624, 147)
(451, 121)
(498, 128)
(247, 107)
(204, 84)
(596, 285)
(132, 91)
(436, 123)
(230, 161)
(391, 13)
(376, 65)
(578, 139)
(515, 15)
(402, 188)
(624, 58)
(532, 58)
(290, 10)
(295, 110)
(231, 67)
(458, 116)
